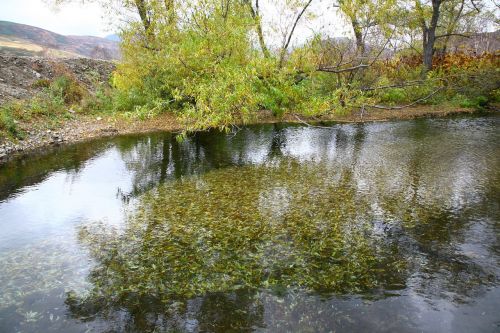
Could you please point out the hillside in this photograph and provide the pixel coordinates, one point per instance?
(19, 75)
(24, 40)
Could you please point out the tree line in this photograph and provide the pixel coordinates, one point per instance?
(220, 62)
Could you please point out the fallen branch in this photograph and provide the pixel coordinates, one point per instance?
(309, 125)
(406, 84)
(407, 105)
(334, 70)
(452, 34)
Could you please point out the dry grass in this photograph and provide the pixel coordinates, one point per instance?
(14, 44)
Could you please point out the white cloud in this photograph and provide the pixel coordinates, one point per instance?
(69, 19)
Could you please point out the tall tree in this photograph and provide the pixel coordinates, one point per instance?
(428, 30)
(441, 19)
(255, 12)
(365, 15)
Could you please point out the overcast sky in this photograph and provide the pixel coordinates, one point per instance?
(70, 19)
(89, 19)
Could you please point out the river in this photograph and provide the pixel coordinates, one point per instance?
(375, 227)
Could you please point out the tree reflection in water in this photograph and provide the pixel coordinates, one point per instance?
(346, 211)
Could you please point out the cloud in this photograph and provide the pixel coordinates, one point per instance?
(70, 19)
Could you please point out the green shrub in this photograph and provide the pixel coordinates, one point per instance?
(66, 88)
(394, 95)
(41, 83)
(62, 92)
(478, 102)
(495, 96)
(7, 122)
(46, 104)
(101, 101)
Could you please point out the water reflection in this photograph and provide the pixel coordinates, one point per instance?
(277, 228)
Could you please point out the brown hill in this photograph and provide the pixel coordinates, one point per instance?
(26, 40)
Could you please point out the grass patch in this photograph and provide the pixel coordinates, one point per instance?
(8, 125)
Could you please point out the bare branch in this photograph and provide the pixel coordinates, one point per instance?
(285, 47)
(335, 70)
(383, 47)
(475, 6)
(452, 34)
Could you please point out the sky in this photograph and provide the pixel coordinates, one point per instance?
(76, 18)
(69, 19)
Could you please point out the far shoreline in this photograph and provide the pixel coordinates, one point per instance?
(83, 128)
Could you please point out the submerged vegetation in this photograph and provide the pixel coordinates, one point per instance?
(289, 226)
(269, 227)
(191, 237)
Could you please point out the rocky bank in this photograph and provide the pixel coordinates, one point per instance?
(19, 75)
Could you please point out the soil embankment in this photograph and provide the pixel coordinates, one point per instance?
(19, 75)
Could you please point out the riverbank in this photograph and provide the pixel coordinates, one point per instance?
(80, 128)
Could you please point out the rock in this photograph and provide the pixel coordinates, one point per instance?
(98, 118)
(109, 130)
(71, 111)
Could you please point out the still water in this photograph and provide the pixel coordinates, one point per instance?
(379, 227)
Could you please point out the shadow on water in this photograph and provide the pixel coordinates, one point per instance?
(276, 228)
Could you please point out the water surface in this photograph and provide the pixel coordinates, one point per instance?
(381, 227)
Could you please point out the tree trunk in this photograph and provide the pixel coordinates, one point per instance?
(262, 43)
(358, 34)
(258, 25)
(143, 14)
(428, 44)
(429, 36)
(170, 8)
(142, 10)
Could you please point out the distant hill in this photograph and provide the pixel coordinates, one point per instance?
(26, 40)
(113, 37)
(477, 43)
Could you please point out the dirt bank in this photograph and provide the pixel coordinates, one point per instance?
(19, 75)
(84, 127)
